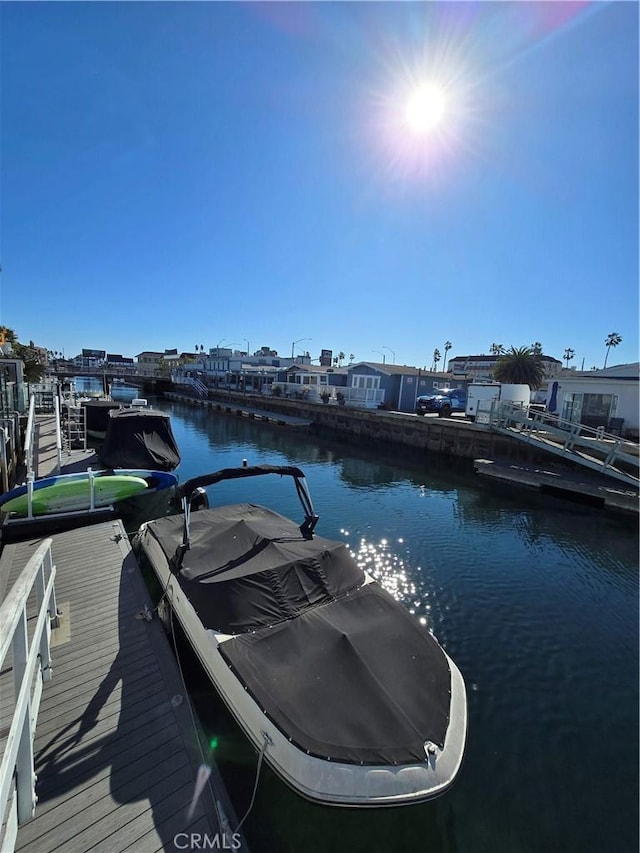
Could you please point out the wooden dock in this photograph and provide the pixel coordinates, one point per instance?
(45, 458)
(118, 749)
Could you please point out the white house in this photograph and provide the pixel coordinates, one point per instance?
(596, 397)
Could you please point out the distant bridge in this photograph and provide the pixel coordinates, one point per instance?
(132, 373)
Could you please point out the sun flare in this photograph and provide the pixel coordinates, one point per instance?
(425, 108)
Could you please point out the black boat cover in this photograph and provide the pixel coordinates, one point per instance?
(139, 438)
(356, 680)
(97, 415)
(249, 566)
(353, 677)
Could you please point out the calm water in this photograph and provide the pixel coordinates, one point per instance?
(535, 599)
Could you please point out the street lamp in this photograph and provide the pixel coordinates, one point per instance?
(297, 342)
(392, 353)
(382, 354)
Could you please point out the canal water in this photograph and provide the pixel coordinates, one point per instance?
(535, 598)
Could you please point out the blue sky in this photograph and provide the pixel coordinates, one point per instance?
(176, 174)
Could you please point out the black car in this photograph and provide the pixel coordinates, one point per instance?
(443, 402)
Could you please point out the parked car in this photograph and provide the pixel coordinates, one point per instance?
(444, 402)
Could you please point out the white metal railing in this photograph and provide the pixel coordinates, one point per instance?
(198, 386)
(589, 446)
(364, 396)
(89, 507)
(31, 667)
(30, 434)
(45, 393)
(56, 409)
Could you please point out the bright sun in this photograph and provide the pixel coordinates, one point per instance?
(425, 108)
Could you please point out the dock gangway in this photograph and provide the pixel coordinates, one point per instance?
(590, 447)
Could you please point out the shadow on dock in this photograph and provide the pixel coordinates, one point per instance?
(117, 751)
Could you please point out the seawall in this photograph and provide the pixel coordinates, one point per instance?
(453, 436)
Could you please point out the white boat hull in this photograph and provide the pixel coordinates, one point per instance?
(328, 781)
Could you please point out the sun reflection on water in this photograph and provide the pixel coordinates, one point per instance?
(388, 567)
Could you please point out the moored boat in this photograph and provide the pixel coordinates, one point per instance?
(350, 700)
(139, 438)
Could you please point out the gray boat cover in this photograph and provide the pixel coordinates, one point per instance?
(139, 438)
(344, 670)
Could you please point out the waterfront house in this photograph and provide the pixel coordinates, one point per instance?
(391, 386)
(608, 398)
(312, 381)
(223, 367)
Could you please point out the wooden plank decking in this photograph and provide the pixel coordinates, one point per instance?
(45, 461)
(116, 749)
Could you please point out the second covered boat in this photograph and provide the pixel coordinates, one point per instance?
(139, 438)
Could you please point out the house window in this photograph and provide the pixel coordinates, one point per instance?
(601, 405)
(364, 382)
(576, 407)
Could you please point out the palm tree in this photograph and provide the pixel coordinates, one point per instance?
(536, 348)
(436, 359)
(520, 367)
(568, 355)
(341, 358)
(613, 339)
(496, 349)
(7, 336)
(447, 347)
(351, 358)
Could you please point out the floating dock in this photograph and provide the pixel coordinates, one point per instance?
(579, 486)
(118, 750)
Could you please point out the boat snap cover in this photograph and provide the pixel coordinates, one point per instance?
(139, 439)
(357, 680)
(249, 566)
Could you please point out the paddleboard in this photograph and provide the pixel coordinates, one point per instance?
(156, 480)
(69, 493)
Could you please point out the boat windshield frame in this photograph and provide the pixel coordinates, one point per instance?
(189, 490)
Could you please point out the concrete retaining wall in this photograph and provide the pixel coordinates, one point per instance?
(454, 436)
